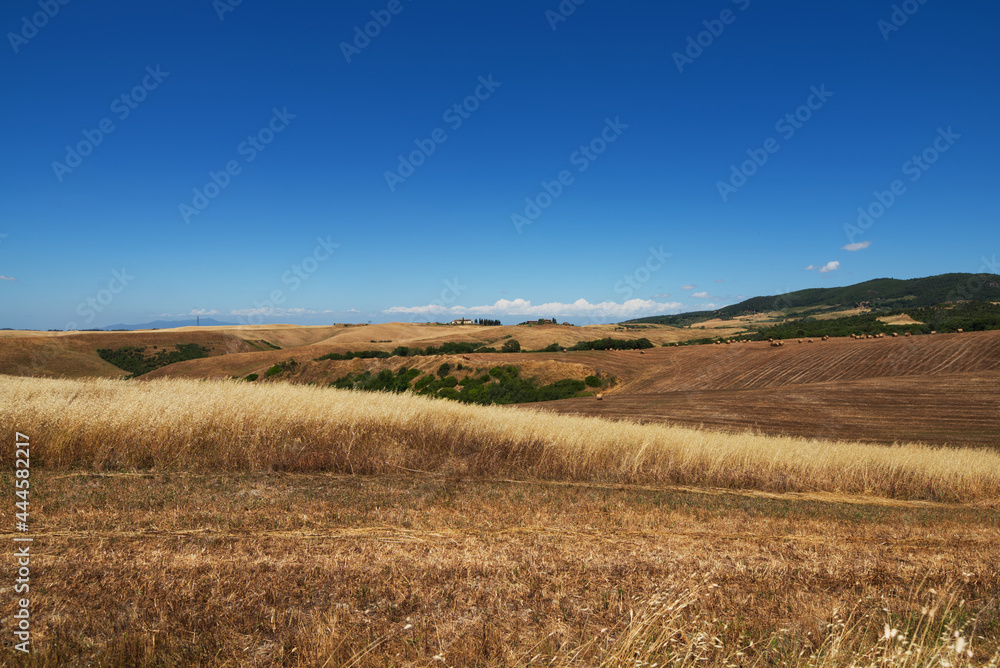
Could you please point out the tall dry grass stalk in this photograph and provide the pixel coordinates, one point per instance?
(676, 628)
(671, 630)
(225, 425)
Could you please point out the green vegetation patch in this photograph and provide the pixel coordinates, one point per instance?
(968, 316)
(613, 344)
(502, 385)
(384, 381)
(135, 360)
(446, 348)
(281, 367)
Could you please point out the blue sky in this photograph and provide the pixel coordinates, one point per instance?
(269, 162)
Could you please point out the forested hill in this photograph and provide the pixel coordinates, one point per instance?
(880, 293)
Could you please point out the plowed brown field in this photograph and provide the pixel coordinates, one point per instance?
(942, 389)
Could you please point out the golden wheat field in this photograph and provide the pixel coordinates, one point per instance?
(186, 522)
(224, 425)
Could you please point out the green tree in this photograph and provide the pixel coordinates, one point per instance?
(511, 346)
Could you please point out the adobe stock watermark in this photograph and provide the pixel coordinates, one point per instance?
(91, 306)
(122, 107)
(22, 544)
(249, 148)
(441, 306)
(30, 26)
(584, 156)
(450, 293)
(294, 277)
(915, 167)
(381, 18)
(901, 13)
(714, 28)
(565, 10)
(976, 282)
(631, 282)
(454, 116)
(787, 125)
(223, 7)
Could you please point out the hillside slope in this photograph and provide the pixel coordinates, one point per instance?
(942, 389)
(880, 293)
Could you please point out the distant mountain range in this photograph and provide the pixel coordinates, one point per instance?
(169, 324)
(877, 294)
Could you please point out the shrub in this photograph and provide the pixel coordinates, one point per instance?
(252, 377)
(444, 369)
(422, 384)
(592, 381)
(608, 342)
(134, 360)
(511, 346)
(561, 389)
(350, 355)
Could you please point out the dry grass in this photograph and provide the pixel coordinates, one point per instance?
(181, 569)
(211, 523)
(901, 319)
(227, 426)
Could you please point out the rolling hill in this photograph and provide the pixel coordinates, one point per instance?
(877, 294)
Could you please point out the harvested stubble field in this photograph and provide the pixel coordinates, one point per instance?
(221, 523)
(942, 389)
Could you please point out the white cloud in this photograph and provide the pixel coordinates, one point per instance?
(702, 295)
(826, 268)
(201, 311)
(860, 245)
(688, 286)
(523, 307)
(720, 280)
(7, 278)
(663, 295)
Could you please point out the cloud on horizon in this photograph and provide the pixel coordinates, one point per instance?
(828, 267)
(524, 307)
(278, 312)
